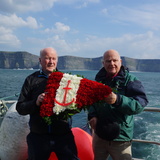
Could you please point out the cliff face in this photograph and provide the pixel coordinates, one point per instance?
(72, 63)
(143, 65)
(11, 60)
(15, 60)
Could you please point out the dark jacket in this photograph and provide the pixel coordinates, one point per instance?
(131, 100)
(33, 86)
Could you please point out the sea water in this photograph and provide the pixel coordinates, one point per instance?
(147, 126)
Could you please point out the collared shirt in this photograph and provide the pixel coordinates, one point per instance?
(42, 74)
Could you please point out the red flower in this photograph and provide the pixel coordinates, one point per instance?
(46, 108)
(88, 93)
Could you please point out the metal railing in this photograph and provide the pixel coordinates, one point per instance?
(4, 105)
(148, 109)
(9, 97)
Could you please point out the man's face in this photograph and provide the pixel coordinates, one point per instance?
(48, 61)
(112, 63)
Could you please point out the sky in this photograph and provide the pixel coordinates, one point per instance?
(82, 28)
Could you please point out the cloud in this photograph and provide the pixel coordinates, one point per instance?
(141, 20)
(130, 45)
(78, 3)
(21, 6)
(32, 23)
(13, 21)
(8, 39)
(8, 26)
(12, 6)
(104, 11)
(59, 28)
(144, 15)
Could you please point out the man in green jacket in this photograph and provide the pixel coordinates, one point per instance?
(112, 121)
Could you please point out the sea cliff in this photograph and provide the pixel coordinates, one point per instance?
(22, 60)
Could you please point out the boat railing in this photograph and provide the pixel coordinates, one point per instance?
(9, 97)
(148, 109)
(4, 104)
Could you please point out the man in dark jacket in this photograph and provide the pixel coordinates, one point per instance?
(113, 121)
(43, 138)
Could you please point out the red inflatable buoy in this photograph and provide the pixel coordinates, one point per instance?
(84, 145)
(53, 156)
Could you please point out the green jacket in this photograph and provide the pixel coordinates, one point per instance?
(131, 100)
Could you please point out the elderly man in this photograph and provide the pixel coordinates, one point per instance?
(113, 120)
(43, 138)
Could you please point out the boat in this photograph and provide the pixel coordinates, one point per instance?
(8, 143)
(14, 129)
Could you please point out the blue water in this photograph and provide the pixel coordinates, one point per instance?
(147, 124)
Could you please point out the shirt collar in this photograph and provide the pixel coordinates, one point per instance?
(42, 74)
(112, 76)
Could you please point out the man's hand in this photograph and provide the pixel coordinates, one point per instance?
(111, 99)
(40, 99)
(93, 122)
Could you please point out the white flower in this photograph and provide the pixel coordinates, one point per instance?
(66, 93)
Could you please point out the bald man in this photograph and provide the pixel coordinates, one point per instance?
(43, 138)
(112, 121)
